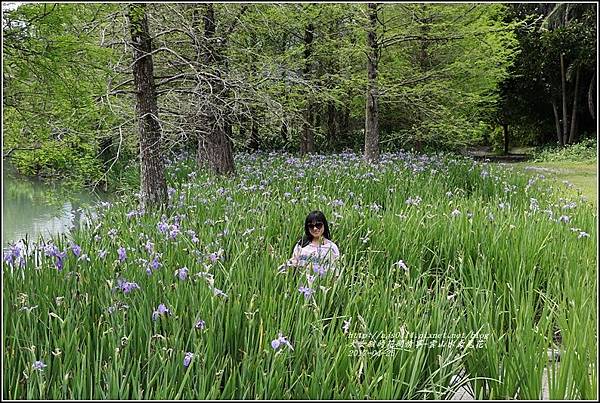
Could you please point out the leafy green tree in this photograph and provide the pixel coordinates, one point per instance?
(535, 99)
(439, 71)
(54, 70)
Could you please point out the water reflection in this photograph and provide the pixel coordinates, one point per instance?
(31, 208)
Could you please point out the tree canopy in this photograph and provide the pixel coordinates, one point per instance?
(287, 76)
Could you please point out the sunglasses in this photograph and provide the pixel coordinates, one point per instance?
(319, 225)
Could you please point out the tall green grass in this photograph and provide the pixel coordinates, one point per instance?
(489, 262)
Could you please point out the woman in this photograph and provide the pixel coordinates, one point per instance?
(315, 246)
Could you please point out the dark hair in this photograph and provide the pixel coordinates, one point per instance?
(313, 216)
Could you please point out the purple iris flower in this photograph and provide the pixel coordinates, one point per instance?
(76, 249)
(14, 255)
(38, 366)
(219, 293)
(306, 291)
(155, 263)
(174, 231)
(200, 324)
(122, 254)
(319, 269)
(187, 360)
(102, 253)
(149, 246)
(163, 227)
(60, 256)
(182, 273)
(280, 341)
(127, 286)
(50, 249)
(160, 311)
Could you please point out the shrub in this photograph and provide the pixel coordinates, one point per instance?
(584, 151)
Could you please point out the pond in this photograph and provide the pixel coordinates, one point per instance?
(32, 208)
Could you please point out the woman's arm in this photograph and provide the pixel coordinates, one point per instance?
(294, 261)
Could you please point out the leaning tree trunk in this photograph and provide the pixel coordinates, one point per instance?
(372, 108)
(153, 184)
(564, 101)
(574, 116)
(307, 142)
(218, 141)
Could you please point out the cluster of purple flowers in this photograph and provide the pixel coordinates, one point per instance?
(14, 256)
(126, 286)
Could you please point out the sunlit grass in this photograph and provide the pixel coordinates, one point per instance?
(580, 177)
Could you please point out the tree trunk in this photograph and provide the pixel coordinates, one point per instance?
(422, 55)
(564, 101)
(307, 140)
(590, 96)
(372, 107)
(557, 122)
(506, 140)
(152, 176)
(218, 140)
(307, 144)
(574, 115)
(344, 127)
(331, 124)
(283, 132)
(253, 142)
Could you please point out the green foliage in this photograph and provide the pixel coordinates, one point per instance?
(68, 159)
(436, 91)
(534, 81)
(54, 73)
(584, 151)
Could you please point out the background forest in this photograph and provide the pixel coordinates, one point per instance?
(291, 77)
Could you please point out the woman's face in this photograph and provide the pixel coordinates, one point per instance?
(316, 228)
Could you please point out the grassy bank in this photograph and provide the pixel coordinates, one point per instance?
(581, 177)
(447, 266)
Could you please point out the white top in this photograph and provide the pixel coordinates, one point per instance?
(328, 252)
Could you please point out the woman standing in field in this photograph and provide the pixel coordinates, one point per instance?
(315, 246)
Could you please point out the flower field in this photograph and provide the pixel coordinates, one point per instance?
(452, 273)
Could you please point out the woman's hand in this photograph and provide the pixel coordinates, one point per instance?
(285, 266)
